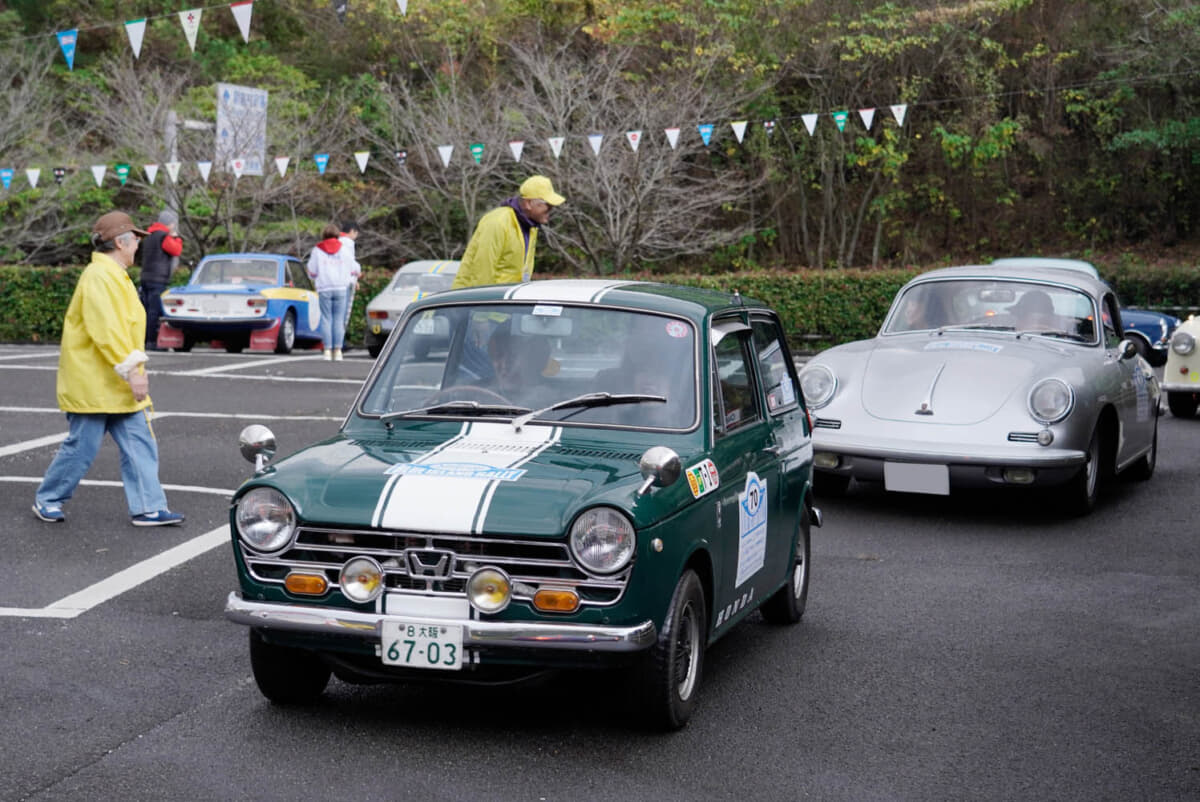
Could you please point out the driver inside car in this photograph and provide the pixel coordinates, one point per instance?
(519, 363)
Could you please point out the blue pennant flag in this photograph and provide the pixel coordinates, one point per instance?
(322, 160)
(66, 40)
(706, 130)
(6, 177)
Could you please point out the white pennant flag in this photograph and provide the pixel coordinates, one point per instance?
(98, 171)
(810, 122)
(361, 157)
(281, 164)
(238, 166)
(672, 136)
(594, 141)
(32, 174)
(403, 6)
(444, 151)
(867, 116)
(173, 171)
(205, 168)
(635, 139)
(136, 30)
(190, 20)
(739, 129)
(517, 146)
(556, 143)
(151, 172)
(898, 112)
(241, 13)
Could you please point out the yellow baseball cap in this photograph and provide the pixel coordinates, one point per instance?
(538, 187)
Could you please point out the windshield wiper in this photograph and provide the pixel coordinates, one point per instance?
(588, 400)
(1070, 335)
(976, 327)
(450, 407)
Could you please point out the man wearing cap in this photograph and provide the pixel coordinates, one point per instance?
(102, 383)
(160, 253)
(501, 249)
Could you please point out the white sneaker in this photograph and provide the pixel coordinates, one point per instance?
(328, 355)
(337, 354)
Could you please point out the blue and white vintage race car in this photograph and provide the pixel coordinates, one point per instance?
(264, 301)
(988, 376)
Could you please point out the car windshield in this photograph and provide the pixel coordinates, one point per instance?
(236, 271)
(1016, 306)
(513, 359)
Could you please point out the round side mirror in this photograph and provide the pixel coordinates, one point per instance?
(1129, 349)
(257, 444)
(660, 467)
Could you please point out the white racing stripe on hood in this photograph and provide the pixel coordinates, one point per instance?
(577, 290)
(450, 488)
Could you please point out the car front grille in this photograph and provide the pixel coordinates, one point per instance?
(436, 564)
(1022, 437)
(827, 423)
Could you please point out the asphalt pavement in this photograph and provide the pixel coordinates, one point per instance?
(972, 647)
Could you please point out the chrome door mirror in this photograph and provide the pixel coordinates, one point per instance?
(257, 444)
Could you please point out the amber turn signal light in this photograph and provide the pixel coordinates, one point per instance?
(306, 584)
(556, 601)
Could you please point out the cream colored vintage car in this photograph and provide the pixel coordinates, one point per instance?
(1181, 375)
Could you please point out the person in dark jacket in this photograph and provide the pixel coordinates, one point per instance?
(160, 253)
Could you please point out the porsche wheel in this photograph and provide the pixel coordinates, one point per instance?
(1183, 405)
(1084, 489)
(670, 673)
(286, 340)
(787, 604)
(286, 676)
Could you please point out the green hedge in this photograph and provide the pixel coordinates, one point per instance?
(819, 307)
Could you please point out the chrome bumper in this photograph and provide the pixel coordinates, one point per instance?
(501, 634)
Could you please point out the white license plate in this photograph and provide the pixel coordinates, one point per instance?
(911, 477)
(422, 644)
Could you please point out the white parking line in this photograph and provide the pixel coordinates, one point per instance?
(256, 363)
(78, 603)
(208, 373)
(37, 480)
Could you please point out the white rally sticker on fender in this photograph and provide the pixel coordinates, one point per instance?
(449, 488)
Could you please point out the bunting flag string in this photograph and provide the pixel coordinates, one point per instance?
(633, 137)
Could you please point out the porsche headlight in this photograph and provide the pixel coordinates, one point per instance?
(603, 540)
(265, 519)
(818, 385)
(1183, 343)
(1051, 400)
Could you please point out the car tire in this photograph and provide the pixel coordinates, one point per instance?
(670, 673)
(188, 342)
(235, 345)
(786, 605)
(1084, 488)
(286, 341)
(284, 675)
(374, 350)
(1183, 405)
(1143, 347)
(1143, 469)
(833, 485)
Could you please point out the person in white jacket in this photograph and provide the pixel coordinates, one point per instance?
(348, 236)
(332, 272)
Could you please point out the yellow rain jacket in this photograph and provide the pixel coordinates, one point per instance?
(105, 326)
(496, 253)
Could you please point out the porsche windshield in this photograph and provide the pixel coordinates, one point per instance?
(1017, 306)
(510, 359)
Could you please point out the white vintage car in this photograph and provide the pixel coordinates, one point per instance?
(1181, 376)
(985, 376)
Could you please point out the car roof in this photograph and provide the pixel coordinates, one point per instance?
(447, 266)
(1048, 261)
(1059, 275)
(693, 302)
(214, 256)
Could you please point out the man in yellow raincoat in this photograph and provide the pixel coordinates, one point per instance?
(501, 249)
(102, 382)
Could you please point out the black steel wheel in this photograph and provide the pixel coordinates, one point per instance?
(786, 605)
(670, 673)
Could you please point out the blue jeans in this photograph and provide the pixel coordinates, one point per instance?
(333, 317)
(139, 460)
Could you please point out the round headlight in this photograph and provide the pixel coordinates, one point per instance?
(361, 579)
(489, 590)
(1051, 400)
(265, 519)
(603, 540)
(1183, 343)
(818, 385)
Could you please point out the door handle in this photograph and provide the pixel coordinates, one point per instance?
(774, 451)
